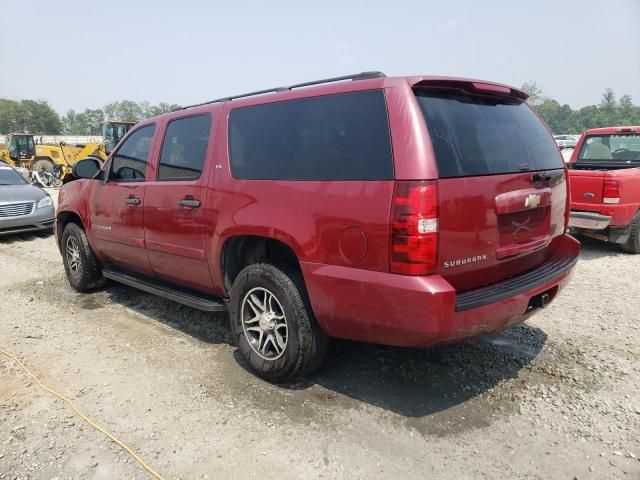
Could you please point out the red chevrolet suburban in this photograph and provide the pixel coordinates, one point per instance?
(605, 186)
(408, 211)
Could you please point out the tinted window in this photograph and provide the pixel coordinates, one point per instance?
(473, 135)
(130, 161)
(334, 137)
(184, 147)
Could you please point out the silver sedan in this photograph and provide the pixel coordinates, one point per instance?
(23, 207)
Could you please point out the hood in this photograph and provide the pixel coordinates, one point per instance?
(21, 193)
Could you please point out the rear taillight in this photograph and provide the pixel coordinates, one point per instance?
(611, 191)
(414, 228)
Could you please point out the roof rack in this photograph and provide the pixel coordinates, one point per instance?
(355, 76)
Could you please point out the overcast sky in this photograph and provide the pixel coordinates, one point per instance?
(79, 54)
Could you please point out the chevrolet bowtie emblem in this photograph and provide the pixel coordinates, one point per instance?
(532, 201)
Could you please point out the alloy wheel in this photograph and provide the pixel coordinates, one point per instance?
(264, 323)
(73, 256)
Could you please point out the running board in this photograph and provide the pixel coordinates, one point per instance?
(190, 299)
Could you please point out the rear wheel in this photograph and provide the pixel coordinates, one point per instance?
(80, 264)
(633, 244)
(43, 165)
(273, 324)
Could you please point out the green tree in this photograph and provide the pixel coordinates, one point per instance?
(627, 112)
(608, 108)
(84, 123)
(125, 110)
(563, 119)
(31, 116)
(536, 96)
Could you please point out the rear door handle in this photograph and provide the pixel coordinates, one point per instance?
(189, 202)
(132, 201)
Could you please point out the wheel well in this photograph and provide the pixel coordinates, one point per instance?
(239, 252)
(65, 218)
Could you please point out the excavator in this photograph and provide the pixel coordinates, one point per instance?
(22, 150)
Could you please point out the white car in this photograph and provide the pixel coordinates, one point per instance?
(566, 141)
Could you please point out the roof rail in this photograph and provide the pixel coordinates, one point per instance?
(355, 76)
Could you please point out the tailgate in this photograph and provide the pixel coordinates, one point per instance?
(502, 184)
(496, 227)
(586, 187)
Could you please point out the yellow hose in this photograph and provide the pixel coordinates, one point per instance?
(83, 416)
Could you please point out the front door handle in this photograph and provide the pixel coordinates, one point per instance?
(189, 202)
(132, 201)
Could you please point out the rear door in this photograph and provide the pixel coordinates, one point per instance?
(502, 184)
(117, 204)
(175, 215)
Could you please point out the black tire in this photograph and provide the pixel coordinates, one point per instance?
(306, 345)
(633, 243)
(83, 271)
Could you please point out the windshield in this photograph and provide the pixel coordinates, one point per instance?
(611, 148)
(479, 135)
(8, 176)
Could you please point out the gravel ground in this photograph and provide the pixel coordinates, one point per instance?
(555, 398)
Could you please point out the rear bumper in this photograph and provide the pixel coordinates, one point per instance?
(391, 309)
(620, 214)
(589, 220)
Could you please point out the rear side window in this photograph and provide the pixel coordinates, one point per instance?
(130, 161)
(333, 137)
(475, 135)
(184, 148)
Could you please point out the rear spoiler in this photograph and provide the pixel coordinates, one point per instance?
(473, 86)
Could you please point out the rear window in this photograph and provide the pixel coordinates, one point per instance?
(621, 148)
(477, 135)
(334, 137)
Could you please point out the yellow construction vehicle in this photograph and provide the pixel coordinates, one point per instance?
(19, 150)
(48, 156)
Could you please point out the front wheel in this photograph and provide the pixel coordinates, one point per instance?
(633, 244)
(81, 266)
(273, 324)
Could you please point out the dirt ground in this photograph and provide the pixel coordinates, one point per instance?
(555, 398)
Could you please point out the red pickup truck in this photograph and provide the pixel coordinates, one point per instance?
(408, 211)
(605, 186)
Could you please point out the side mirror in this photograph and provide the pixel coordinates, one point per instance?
(87, 168)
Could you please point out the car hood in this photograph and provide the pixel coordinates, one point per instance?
(21, 193)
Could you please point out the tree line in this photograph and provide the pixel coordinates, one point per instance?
(609, 112)
(37, 116)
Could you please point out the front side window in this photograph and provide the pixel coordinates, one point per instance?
(333, 137)
(130, 161)
(184, 148)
